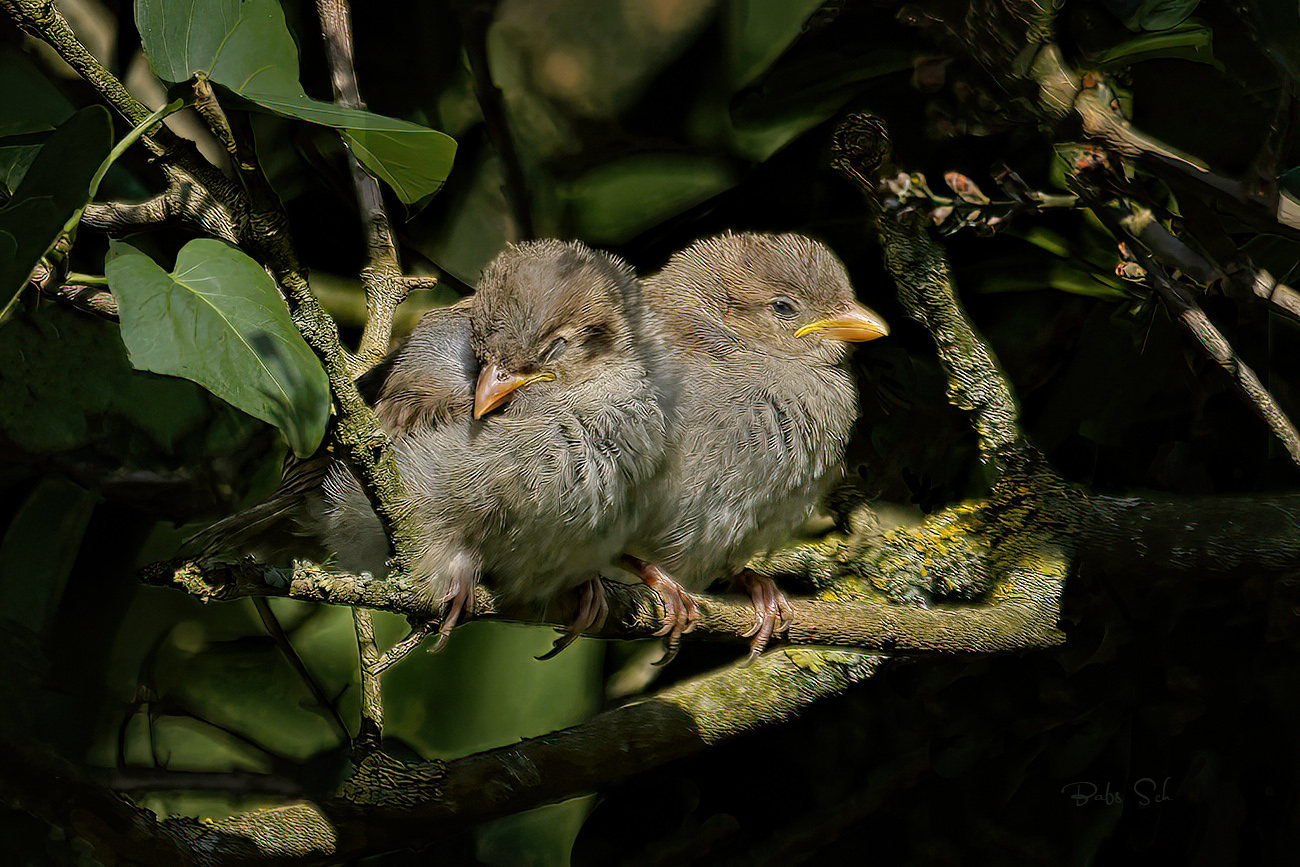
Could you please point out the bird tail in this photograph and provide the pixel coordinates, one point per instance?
(277, 528)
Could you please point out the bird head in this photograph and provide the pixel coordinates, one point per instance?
(548, 316)
(786, 293)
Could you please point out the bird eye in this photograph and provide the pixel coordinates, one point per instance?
(783, 307)
(555, 350)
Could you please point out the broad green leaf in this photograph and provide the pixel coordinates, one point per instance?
(758, 31)
(1152, 15)
(797, 94)
(16, 158)
(31, 102)
(477, 222)
(1019, 275)
(53, 189)
(614, 201)
(218, 320)
(247, 48)
(1188, 41)
(1046, 239)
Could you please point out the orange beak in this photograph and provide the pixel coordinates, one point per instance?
(855, 324)
(496, 385)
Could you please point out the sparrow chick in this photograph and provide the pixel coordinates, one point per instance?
(553, 474)
(425, 382)
(760, 327)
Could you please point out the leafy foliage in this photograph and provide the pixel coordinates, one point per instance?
(53, 188)
(218, 320)
(245, 46)
(641, 125)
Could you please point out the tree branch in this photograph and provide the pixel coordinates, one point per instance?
(381, 276)
(1183, 307)
(371, 730)
(1023, 615)
(387, 804)
(975, 381)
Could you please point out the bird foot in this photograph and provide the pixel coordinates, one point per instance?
(681, 614)
(459, 601)
(593, 608)
(772, 610)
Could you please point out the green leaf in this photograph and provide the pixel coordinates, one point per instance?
(68, 386)
(1188, 41)
(53, 189)
(477, 222)
(247, 48)
(758, 31)
(797, 94)
(16, 157)
(218, 320)
(614, 201)
(1152, 15)
(32, 103)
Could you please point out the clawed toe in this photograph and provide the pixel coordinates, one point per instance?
(681, 614)
(460, 602)
(772, 611)
(592, 611)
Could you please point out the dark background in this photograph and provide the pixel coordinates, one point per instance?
(641, 125)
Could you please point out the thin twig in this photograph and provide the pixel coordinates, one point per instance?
(327, 705)
(370, 733)
(1183, 307)
(403, 648)
(382, 275)
(240, 783)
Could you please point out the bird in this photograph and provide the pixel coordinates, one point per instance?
(534, 476)
(759, 327)
(426, 381)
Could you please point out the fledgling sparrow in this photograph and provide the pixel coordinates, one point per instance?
(554, 473)
(760, 327)
(425, 382)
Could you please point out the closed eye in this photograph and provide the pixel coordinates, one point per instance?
(555, 350)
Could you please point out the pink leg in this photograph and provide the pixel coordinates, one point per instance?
(680, 611)
(593, 607)
(460, 600)
(772, 610)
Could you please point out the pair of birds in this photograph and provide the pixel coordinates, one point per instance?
(568, 418)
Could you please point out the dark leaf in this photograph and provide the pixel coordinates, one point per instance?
(55, 186)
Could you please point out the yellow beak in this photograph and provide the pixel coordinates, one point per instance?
(856, 323)
(496, 385)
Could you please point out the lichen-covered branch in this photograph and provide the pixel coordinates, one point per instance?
(846, 616)
(975, 382)
(387, 804)
(372, 699)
